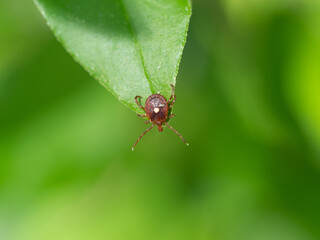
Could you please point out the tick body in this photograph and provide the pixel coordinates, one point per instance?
(156, 110)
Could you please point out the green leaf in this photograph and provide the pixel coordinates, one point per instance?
(132, 47)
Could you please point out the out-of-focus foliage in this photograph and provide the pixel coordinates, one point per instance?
(247, 101)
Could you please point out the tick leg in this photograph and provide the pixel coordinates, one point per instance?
(171, 116)
(139, 115)
(149, 121)
(177, 133)
(142, 136)
(138, 102)
(173, 101)
(172, 94)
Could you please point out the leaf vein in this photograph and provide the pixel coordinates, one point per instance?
(137, 45)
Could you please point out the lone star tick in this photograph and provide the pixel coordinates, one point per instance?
(156, 109)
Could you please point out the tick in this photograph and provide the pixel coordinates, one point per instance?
(156, 109)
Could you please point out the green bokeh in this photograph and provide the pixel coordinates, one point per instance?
(248, 102)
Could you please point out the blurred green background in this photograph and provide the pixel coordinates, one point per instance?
(248, 102)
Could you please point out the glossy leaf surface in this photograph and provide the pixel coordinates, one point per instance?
(132, 47)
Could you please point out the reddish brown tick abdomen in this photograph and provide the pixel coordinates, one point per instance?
(156, 108)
